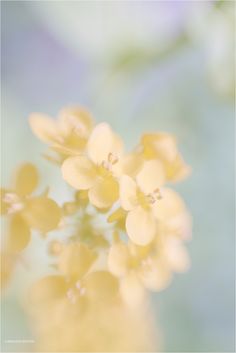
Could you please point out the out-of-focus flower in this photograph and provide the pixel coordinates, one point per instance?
(149, 267)
(68, 135)
(97, 172)
(78, 284)
(138, 198)
(78, 304)
(26, 211)
(163, 146)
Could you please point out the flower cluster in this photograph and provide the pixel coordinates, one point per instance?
(125, 227)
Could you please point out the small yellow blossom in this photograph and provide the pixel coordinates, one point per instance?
(75, 283)
(68, 135)
(151, 266)
(26, 211)
(97, 172)
(163, 146)
(138, 198)
(148, 267)
(73, 309)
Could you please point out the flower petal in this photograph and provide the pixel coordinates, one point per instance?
(101, 285)
(118, 259)
(79, 172)
(131, 164)
(42, 213)
(169, 206)
(47, 289)
(102, 142)
(75, 260)
(128, 193)
(151, 176)
(177, 256)
(159, 145)
(76, 118)
(156, 277)
(18, 235)
(177, 170)
(132, 290)
(140, 226)
(26, 179)
(104, 192)
(44, 127)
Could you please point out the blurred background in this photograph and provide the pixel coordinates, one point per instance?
(141, 66)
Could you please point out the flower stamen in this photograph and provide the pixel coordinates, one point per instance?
(154, 196)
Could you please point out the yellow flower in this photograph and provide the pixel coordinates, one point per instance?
(138, 270)
(97, 172)
(148, 267)
(138, 198)
(26, 211)
(68, 135)
(151, 266)
(75, 284)
(163, 146)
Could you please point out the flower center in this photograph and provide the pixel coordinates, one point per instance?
(14, 202)
(77, 126)
(147, 200)
(154, 196)
(106, 165)
(74, 293)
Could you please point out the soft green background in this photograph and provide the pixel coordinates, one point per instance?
(141, 66)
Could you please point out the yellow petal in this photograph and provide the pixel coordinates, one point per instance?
(177, 170)
(79, 172)
(76, 118)
(132, 290)
(75, 260)
(18, 235)
(104, 192)
(169, 206)
(155, 277)
(47, 289)
(151, 176)
(26, 179)
(68, 148)
(102, 143)
(42, 213)
(118, 259)
(159, 145)
(131, 164)
(140, 226)
(44, 127)
(177, 256)
(128, 193)
(101, 285)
